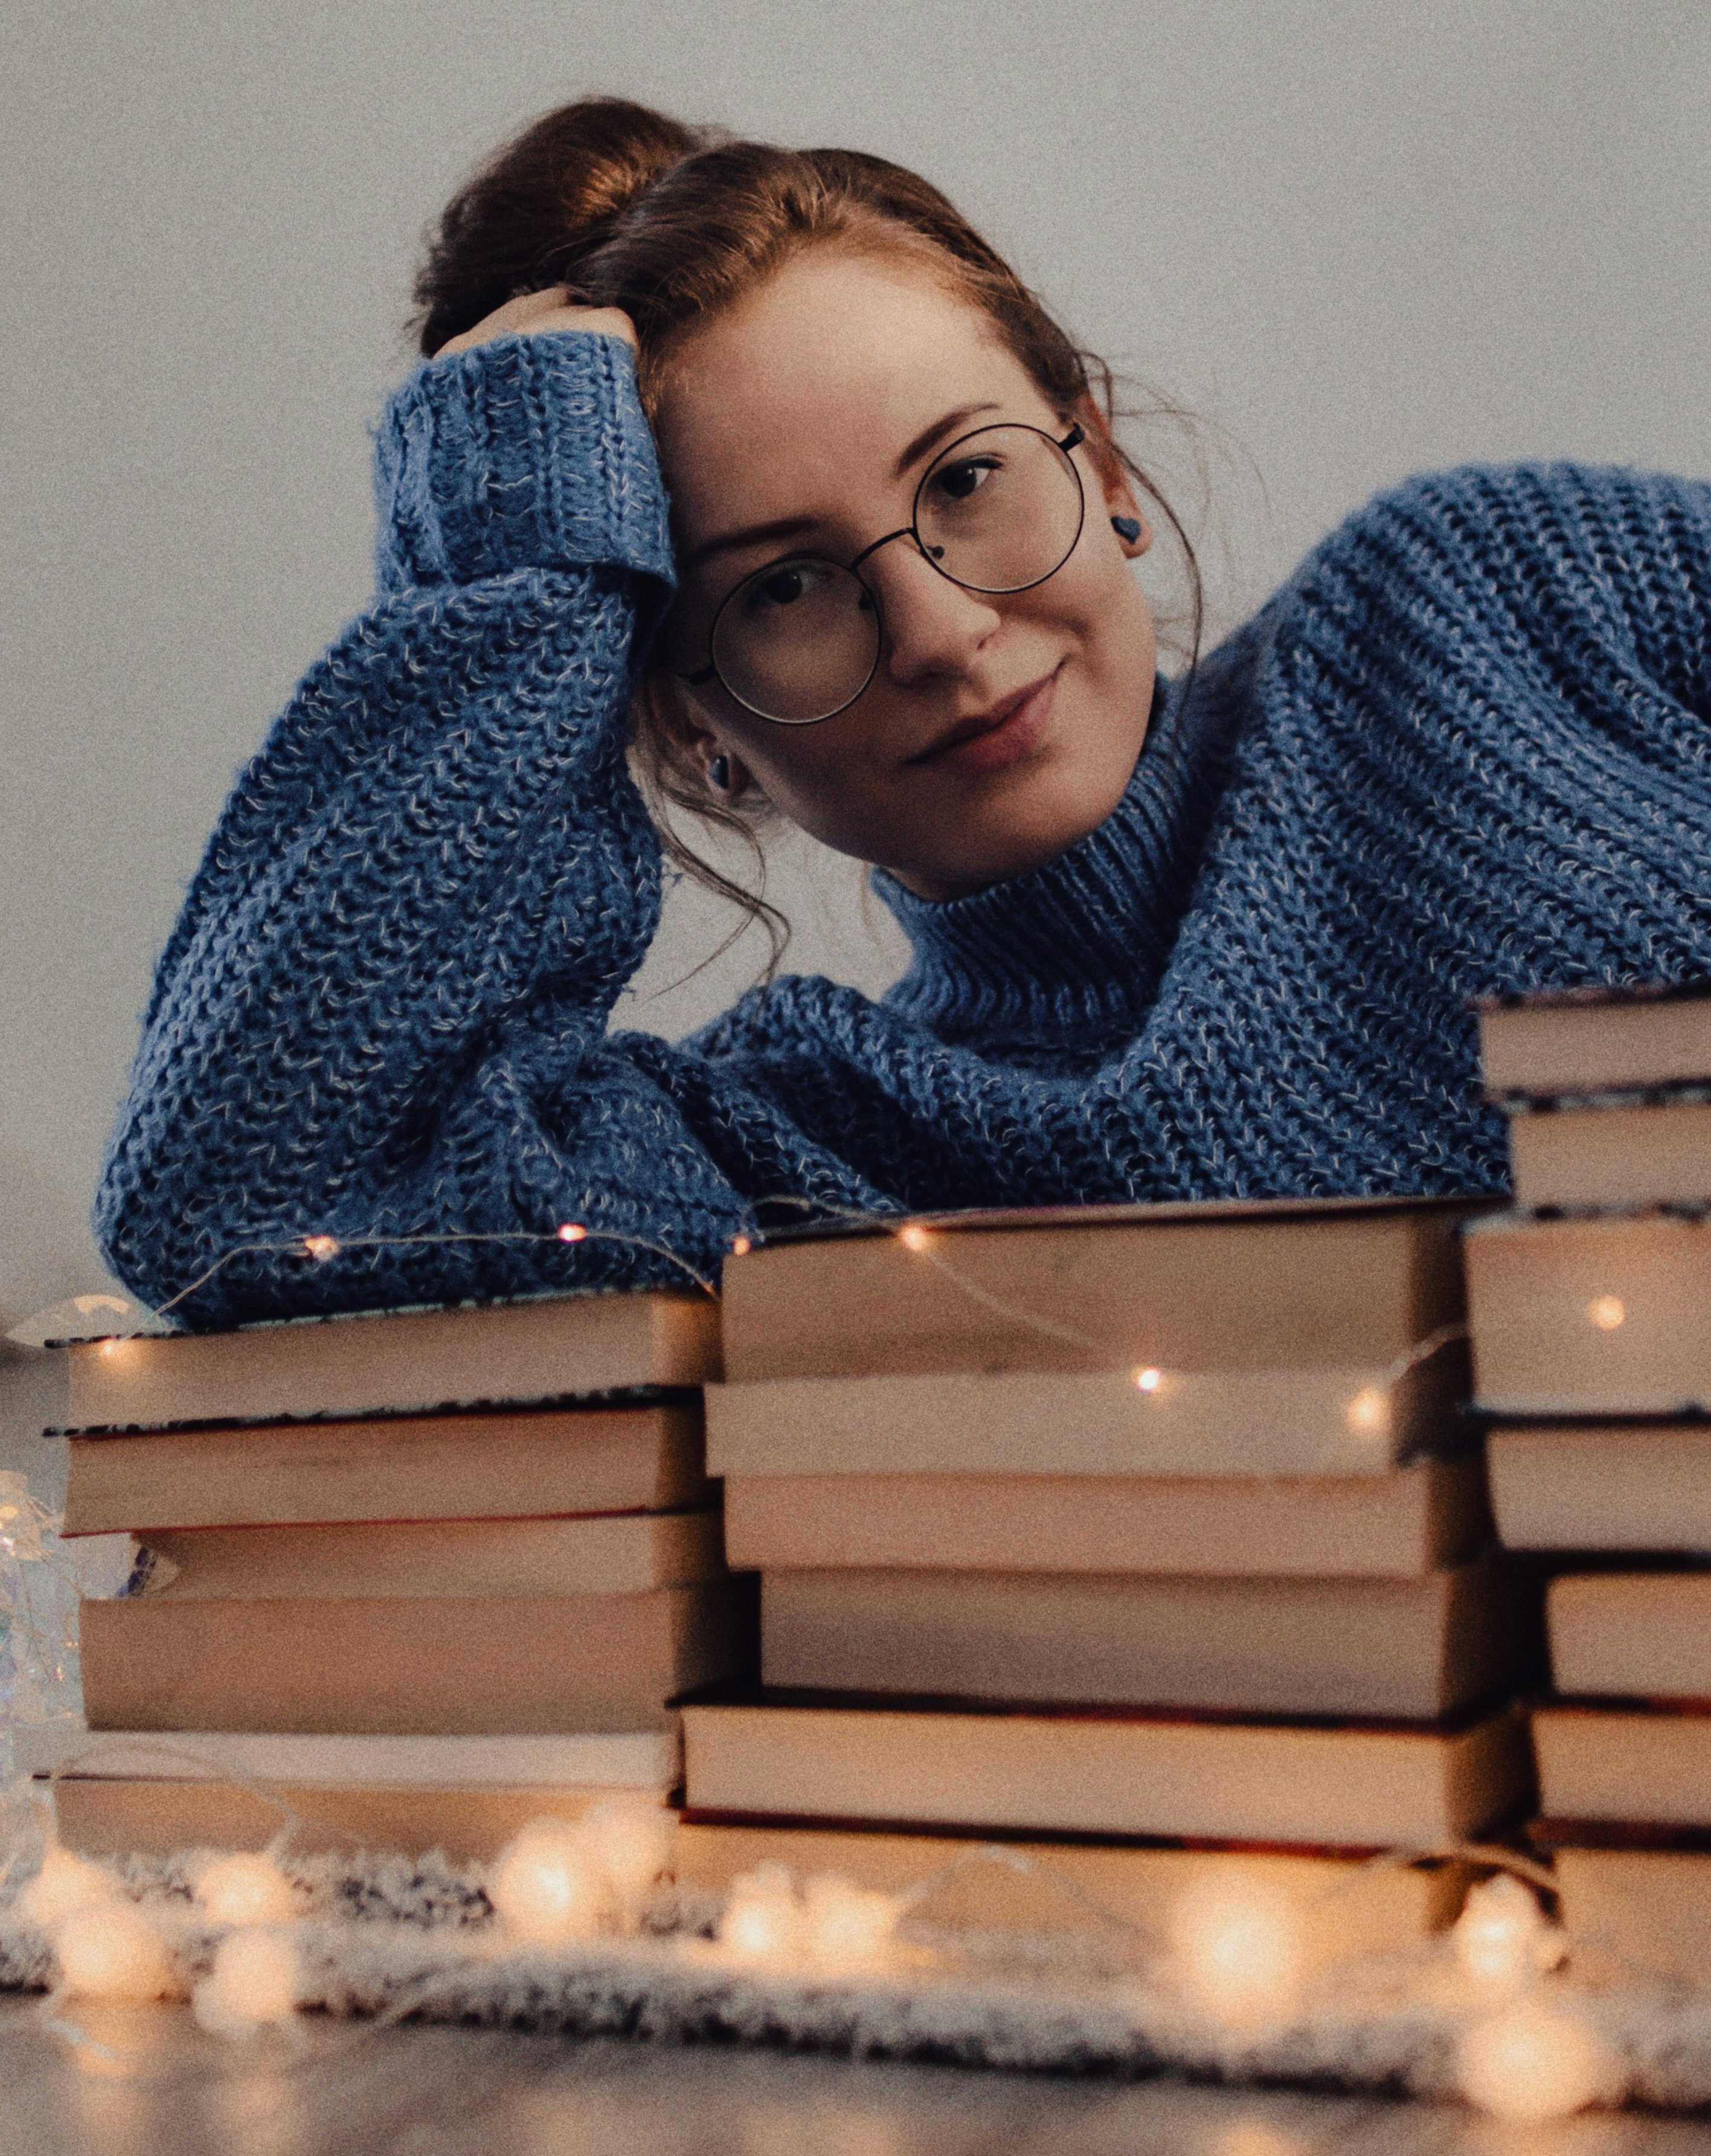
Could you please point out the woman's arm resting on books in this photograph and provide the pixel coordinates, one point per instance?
(383, 1009)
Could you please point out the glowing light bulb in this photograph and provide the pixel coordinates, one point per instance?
(633, 1843)
(320, 1248)
(1149, 1379)
(245, 1890)
(763, 1921)
(1239, 1947)
(545, 1887)
(573, 1231)
(741, 1246)
(846, 1926)
(913, 1238)
(1606, 1312)
(110, 1346)
(1533, 2064)
(254, 1983)
(63, 1883)
(110, 1950)
(1369, 1412)
(1500, 1938)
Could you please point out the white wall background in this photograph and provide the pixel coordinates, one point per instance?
(1361, 238)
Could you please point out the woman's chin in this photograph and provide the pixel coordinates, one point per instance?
(1012, 837)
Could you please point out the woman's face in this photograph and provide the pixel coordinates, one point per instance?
(997, 730)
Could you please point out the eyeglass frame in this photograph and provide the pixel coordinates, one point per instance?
(1072, 440)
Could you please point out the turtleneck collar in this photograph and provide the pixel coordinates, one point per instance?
(1068, 957)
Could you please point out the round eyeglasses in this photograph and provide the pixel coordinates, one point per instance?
(999, 510)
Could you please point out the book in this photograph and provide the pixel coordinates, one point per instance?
(472, 1665)
(644, 1758)
(1648, 1908)
(121, 1816)
(609, 1553)
(1231, 1285)
(1401, 1524)
(156, 1791)
(1128, 1423)
(1641, 1485)
(1031, 1884)
(1596, 1040)
(1399, 1647)
(541, 1348)
(1625, 1154)
(544, 1462)
(1608, 1315)
(1373, 1785)
(1629, 1760)
(1644, 1635)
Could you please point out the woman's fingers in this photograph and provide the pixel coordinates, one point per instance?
(534, 312)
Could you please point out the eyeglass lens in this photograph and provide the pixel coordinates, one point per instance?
(1000, 510)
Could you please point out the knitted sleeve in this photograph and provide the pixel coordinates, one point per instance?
(383, 1010)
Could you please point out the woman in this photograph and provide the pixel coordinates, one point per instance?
(1171, 940)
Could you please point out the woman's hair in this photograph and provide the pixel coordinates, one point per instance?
(629, 208)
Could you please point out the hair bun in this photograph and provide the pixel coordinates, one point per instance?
(541, 207)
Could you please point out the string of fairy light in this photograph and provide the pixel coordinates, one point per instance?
(1234, 1958)
(1233, 1949)
(1366, 1413)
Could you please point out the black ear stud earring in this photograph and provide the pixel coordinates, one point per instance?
(1127, 527)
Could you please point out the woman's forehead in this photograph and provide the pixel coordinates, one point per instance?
(817, 382)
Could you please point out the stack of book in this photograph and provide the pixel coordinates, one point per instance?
(426, 1574)
(1590, 1307)
(1143, 1539)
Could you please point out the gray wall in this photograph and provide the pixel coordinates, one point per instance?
(1358, 238)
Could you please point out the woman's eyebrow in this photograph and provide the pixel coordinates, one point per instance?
(751, 535)
(793, 527)
(930, 437)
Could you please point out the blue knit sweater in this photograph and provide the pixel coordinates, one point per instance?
(1466, 748)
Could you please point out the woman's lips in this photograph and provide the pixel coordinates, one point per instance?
(1004, 737)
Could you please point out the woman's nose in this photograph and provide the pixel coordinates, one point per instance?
(932, 626)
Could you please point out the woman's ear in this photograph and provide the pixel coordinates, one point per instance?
(679, 716)
(1122, 503)
(1123, 507)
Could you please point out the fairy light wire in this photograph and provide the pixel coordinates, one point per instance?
(917, 1235)
(322, 1248)
(443, 1986)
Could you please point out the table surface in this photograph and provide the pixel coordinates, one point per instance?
(148, 2082)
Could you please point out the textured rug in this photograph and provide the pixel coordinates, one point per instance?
(385, 1939)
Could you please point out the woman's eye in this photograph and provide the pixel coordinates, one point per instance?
(961, 480)
(785, 583)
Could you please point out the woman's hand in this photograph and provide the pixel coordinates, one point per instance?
(536, 312)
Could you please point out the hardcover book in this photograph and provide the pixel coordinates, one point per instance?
(1643, 1635)
(1333, 1781)
(1624, 1760)
(541, 1348)
(610, 1553)
(500, 1466)
(1404, 1647)
(1636, 1485)
(1623, 1154)
(1398, 1525)
(1604, 1316)
(1596, 1040)
(1228, 1286)
(475, 1664)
